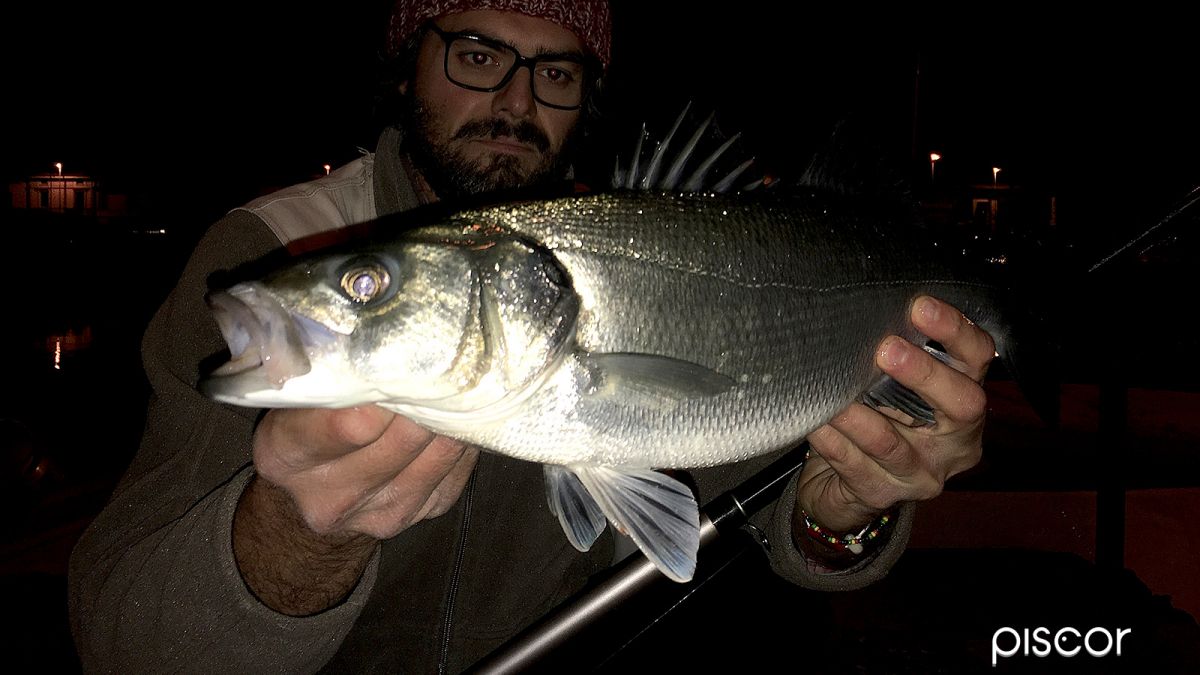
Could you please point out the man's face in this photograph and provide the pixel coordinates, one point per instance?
(465, 141)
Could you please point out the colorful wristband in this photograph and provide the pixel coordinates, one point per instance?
(852, 543)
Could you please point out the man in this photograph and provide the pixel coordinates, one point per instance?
(356, 540)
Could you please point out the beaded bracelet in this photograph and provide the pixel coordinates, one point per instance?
(850, 542)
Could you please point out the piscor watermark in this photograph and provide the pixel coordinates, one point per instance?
(1067, 642)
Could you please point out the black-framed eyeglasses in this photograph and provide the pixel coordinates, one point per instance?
(480, 64)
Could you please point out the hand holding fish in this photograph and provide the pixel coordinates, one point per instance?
(361, 470)
(864, 463)
(330, 483)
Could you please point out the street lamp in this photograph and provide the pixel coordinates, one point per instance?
(995, 170)
(327, 167)
(933, 158)
(62, 185)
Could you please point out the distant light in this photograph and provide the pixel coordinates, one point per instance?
(58, 354)
(933, 157)
(58, 165)
(327, 167)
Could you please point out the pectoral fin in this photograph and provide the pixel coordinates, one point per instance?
(658, 512)
(650, 378)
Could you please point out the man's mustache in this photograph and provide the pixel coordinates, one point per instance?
(526, 132)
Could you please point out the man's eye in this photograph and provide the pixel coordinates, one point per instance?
(557, 76)
(479, 59)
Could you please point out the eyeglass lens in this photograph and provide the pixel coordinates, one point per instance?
(477, 64)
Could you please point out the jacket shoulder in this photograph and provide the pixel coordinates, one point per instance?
(344, 197)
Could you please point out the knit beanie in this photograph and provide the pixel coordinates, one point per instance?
(589, 20)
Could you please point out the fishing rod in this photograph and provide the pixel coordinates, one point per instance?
(593, 608)
(1154, 235)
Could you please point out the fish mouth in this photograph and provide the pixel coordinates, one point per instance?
(268, 345)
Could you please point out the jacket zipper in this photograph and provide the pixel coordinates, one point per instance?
(456, 574)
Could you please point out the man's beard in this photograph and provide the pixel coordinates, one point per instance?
(453, 176)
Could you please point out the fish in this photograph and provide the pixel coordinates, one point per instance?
(609, 335)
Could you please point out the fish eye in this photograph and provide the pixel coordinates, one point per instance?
(364, 283)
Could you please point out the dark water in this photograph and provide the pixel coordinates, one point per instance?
(79, 295)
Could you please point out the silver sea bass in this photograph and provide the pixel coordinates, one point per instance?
(604, 335)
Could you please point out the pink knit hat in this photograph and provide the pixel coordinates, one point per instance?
(589, 20)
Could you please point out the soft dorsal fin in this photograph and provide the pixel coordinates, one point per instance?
(849, 162)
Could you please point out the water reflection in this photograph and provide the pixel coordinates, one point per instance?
(76, 296)
(62, 346)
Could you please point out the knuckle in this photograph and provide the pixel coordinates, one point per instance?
(972, 402)
(889, 447)
(823, 442)
(352, 426)
(407, 437)
(271, 463)
(988, 343)
(448, 449)
(929, 489)
(967, 459)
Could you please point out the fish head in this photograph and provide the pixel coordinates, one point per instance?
(433, 320)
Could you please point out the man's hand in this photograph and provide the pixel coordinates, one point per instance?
(330, 484)
(864, 463)
(361, 470)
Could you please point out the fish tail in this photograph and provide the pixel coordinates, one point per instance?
(1019, 319)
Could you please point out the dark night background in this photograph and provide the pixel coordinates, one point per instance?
(191, 111)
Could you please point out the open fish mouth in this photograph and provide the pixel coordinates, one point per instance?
(267, 346)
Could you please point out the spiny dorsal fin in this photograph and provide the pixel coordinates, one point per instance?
(688, 167)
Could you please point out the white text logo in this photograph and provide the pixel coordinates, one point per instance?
(1067, 641)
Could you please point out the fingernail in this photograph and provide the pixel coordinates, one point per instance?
(929, 309)
(895, 352)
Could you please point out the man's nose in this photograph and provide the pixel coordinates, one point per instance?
(516, 98)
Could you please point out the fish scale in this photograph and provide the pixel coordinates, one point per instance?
(727, 284)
